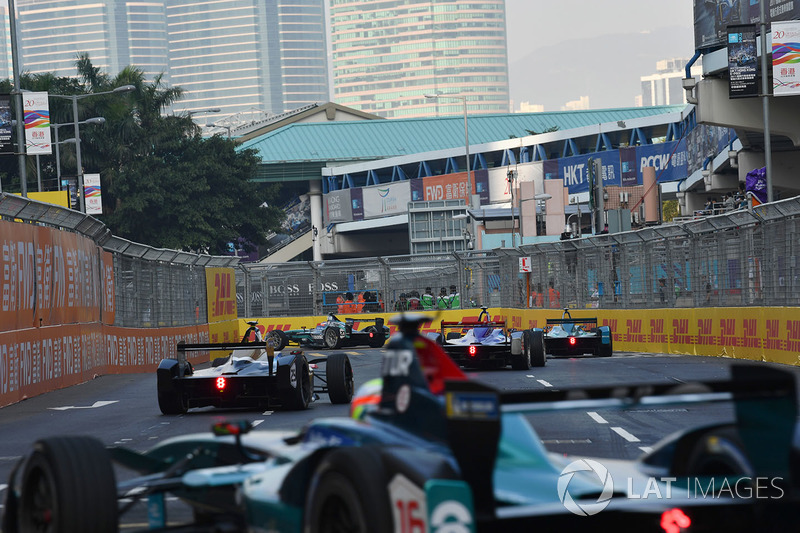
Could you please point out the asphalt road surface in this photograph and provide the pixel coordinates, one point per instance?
(123, 410)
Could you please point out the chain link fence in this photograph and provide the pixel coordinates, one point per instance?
(741, 258)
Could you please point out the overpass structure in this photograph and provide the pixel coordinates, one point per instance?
(364, 173)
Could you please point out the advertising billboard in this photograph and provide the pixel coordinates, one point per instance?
(93, 194)
(712, 18)
(386, 200)
(338, 207)
(6, 142)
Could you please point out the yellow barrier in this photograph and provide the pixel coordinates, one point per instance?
(756, 333)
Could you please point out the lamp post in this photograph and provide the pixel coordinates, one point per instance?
(193, 112)
(94, 120)
(74, 98)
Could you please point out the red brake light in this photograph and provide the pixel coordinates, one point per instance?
(473, 350)
(371, 334)
(674, 520)
(220, 383)
(572, 341)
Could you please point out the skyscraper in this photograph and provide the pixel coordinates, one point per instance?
(665, 87)
(235, 55)
(388, 54)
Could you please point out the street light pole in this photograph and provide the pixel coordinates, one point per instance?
(466, 139)
(94, 120)
(75, 121)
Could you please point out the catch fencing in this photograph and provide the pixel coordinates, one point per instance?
(740, 258)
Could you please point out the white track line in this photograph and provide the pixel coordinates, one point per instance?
(256, 422)
(3, 487)
(625, 435)
(530, 376)
(597, 418)
(543, 382)
(646, 449)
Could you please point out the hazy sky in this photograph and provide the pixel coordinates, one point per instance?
(534, 25)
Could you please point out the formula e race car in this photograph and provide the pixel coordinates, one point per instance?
(438, 452)
(252, 375)
(577, 336)
(333, 334)
(483, 342)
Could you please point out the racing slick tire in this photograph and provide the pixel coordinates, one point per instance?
(331, 338)
(537, 351)
(378, 338)
(298, 392)
(68, 485)
(348, 493)
(171, 403)
(339, 375)
(278, 339)
(606, 350)
(523, 360)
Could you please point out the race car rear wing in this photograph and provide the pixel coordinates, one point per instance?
(764, 399)
(183, 347)
(577, 320)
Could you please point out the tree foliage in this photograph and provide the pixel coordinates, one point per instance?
(163, 184)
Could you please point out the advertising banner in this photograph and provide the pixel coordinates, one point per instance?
(627, 166)
(6, 141)
(338, 207)
(386, 200)
(357, 203)
(712, 18)
(742, 61)
(37, 123)
(669, 160)
(575, 170)
(93, 194)
(786, 58)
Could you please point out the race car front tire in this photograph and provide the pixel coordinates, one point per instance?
(537, 351)
(68, 485)
(278, 339)
(339, 375)
(298, 396)
(331, 338)
(523, 360)
(378, 339)
(348, 493)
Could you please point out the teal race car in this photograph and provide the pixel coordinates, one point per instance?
(333, 333)
(434, 451)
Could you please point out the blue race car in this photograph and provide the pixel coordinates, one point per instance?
(577, 336)
(483, 342)
(437, 452)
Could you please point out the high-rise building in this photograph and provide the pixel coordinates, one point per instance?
(665, 86)
(235, 55)
(389, 54)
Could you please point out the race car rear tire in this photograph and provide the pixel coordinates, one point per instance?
(68, 485)
(348, 493)
(378, 339)
(523, 360)
(537, 350)
(606, 350)
(331, 338)
(171, 403)
(339, 375)
(278, 338)
(298, 396)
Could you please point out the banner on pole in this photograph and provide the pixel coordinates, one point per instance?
(37, 123)
(6, 141)
(742, 61)
(92, 194)
(786, 58)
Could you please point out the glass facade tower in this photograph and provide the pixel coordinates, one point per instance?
(236, 55)
(388, 54)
